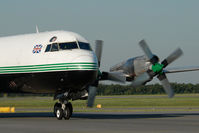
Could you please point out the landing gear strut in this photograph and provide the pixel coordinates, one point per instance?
(63, 110)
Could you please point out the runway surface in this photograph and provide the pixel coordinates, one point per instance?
(154, 122)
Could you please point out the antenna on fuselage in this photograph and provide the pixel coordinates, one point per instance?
(37, 30)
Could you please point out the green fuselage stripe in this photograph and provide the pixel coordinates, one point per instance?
(47, 70)
(49, 67)
(45, 67)
(58, 64)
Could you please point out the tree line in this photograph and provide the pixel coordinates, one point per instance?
(179, 88)
(116, 89)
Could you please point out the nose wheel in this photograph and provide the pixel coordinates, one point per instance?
(62, 110)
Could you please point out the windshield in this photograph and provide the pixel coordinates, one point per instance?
(84, 45)
(54, 47)
(68, 45)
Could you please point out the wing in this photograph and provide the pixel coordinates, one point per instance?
(181, 69)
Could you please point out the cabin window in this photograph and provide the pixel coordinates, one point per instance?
(85, 46)
(54, 47)
(48, 48)
(68, 45)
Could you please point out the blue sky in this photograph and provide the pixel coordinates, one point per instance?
(165, 24)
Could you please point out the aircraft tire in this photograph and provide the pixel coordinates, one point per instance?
(67, 113)
(56, 106)
(59, 113)
(70, 108)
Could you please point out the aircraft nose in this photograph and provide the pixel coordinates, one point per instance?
(89, 61)
(85, 58)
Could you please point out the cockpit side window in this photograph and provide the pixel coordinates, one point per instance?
(68, 45)
(48, 48)
(54, 47)
(85, 46)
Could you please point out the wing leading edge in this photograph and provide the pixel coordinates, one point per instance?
(181, 69)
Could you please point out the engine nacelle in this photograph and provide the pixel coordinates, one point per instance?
(133, 67)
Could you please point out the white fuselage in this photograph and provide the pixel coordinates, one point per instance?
(17, 54)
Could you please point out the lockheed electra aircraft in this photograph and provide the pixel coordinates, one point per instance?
(62, 63)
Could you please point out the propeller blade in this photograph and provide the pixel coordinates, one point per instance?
(91, 96)
(113, 76)
(140, 80)
(166, 85)
(172, 57)
(93, 88)
(146, 49)
(98, 50)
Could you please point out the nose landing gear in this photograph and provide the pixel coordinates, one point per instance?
(63, 110)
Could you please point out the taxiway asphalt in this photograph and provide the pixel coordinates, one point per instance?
(151, 122)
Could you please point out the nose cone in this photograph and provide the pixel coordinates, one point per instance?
(88, 60)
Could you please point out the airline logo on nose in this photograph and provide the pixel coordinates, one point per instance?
(53, 39)
(37, 49)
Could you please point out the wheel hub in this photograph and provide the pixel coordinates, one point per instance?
(58, 113)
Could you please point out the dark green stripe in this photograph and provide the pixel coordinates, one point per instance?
(80, 63)
(48, 70)
(44, 67)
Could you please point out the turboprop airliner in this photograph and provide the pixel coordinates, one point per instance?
(58, 62)
(63, 63)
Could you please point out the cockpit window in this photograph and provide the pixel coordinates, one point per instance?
(48, 48)
(84, 45)
(54, 47)
(68, 45)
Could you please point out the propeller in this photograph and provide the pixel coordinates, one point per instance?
(166, 85)
(91, 95)
(157, 68)
(98, 50)
(93, 88)
(172, 57)
(142, 79)
(114, 76)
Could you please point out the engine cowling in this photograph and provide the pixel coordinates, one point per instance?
(133, 67)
